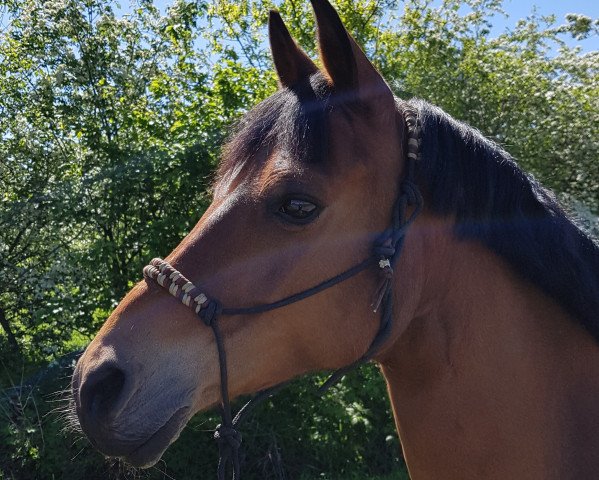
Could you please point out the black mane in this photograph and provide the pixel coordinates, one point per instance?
(495, 202)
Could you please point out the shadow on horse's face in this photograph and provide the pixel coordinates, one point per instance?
(278, 224)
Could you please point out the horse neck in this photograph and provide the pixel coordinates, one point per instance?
(491, 378)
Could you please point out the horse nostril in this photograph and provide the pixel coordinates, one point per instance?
(100, 392)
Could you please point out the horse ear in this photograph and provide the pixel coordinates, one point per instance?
(343, 59)
(291, 62)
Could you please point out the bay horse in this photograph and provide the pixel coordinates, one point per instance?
(491, 358)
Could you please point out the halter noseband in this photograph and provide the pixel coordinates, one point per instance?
(386, 250)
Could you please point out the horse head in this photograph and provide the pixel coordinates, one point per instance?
(306, 184)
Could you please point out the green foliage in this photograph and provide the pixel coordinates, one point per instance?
(111, 126)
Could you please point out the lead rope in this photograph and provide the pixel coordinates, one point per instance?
(386, 252)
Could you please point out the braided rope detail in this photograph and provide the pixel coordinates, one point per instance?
(176, 284)
(414, 137)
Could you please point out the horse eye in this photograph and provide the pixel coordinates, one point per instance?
(297, 209)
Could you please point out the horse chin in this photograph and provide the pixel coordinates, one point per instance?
(149, 452)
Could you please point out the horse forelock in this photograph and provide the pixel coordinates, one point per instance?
(292, 120)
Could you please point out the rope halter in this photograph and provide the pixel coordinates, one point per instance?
(385, 253)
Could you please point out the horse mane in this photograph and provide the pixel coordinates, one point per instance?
(493, 201)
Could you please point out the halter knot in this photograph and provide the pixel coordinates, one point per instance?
(210, 311)
(384, 251)
(229, 442)
(227, 436)
(385, 275)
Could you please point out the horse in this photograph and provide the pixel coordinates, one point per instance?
(490, 350)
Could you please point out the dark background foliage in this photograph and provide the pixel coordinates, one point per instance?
(111, 125)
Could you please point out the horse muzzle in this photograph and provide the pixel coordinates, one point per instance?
(118, 421)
